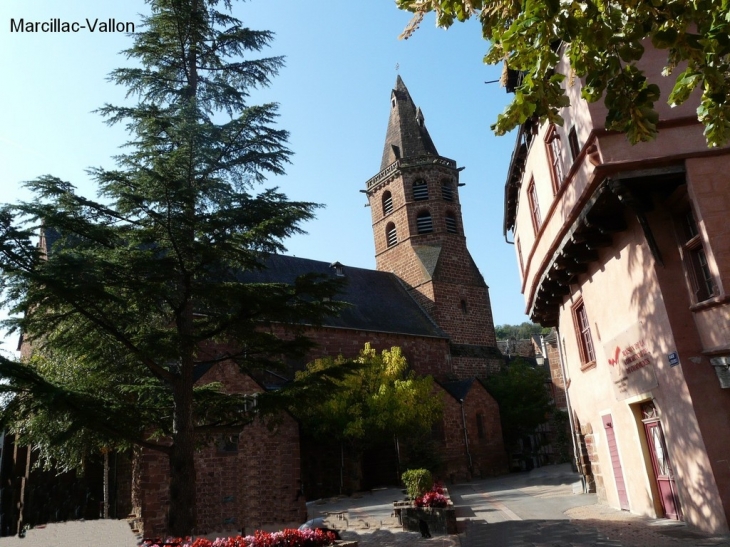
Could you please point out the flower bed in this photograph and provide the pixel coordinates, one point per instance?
(434, 498)
(434, 509)
(285, 538)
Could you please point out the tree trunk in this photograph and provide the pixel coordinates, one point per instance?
(182, 518)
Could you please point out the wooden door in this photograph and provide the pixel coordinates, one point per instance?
(661, 465)
(618, 473)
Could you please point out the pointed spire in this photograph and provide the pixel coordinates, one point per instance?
(407, 136)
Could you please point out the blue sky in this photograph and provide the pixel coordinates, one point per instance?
(334, 95)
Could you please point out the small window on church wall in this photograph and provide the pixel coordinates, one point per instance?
(424, 222)
(438, 432)
(228, 444)
(420, 190)
(387, 203)
(451, 223)
(464, 308)
(480, 425)
(390, 234)
(447, 191)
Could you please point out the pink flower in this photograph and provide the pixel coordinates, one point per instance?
(434, 498)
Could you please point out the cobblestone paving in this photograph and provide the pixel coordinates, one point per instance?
(635, 531)
(91, 533)
(527, 511)
(533, 533)
(604, 528)
(512, 511)
(397, 538)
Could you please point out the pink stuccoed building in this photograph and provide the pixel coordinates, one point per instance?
(626, 250)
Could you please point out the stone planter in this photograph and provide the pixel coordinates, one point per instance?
(440, 520)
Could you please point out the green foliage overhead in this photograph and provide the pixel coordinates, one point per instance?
(379, 399)
(143, 288)
(523, 397)
(604, 42)
(417, 482)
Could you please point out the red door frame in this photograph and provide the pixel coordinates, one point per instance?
(618, 473)
(661, 463)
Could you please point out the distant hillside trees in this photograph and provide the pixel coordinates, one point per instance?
(524, 401)
(519, 332)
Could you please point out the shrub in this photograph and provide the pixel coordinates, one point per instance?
(417, 482)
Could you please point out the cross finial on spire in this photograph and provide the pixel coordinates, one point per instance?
(397, 67)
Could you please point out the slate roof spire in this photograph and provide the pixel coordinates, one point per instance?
(407, 136)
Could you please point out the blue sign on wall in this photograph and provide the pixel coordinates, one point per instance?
(673, 359)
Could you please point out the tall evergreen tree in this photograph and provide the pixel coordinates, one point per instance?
(143, 286)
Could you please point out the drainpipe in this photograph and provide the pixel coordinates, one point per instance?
(23, 483)
(397, 453)
(566, 381)
(105, 513)
(116, 488)
(466, 436)
(342, 467)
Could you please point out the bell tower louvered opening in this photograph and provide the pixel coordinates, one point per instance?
(391, 235)
(420, 190)
(424, 222)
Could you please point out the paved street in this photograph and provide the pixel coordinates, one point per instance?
(536, 509)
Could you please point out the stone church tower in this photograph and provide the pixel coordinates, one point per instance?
(419, 236)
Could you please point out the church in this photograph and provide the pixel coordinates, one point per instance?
(425, 296)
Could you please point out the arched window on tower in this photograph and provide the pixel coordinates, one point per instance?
(387, 203)
(451, 223)
(391, 235)
(424, 222)
(420, 190)
(447, 190)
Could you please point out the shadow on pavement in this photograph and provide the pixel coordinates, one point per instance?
(387, 538)
(645, 533)
(531, 532)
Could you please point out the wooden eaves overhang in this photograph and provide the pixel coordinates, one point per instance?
(525, 136)
(601, 216)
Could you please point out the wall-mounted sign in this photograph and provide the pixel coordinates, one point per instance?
(673, 359)
(631, 362)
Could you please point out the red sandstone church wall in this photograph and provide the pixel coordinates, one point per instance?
(488, 456)
(467, 323)
(256, 485)
(425, 355)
